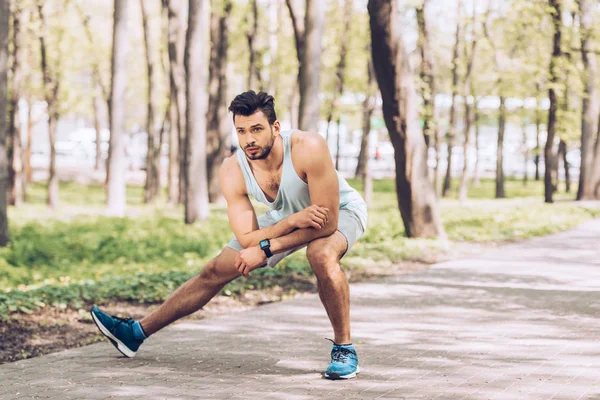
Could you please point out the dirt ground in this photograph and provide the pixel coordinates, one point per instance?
(51, 330)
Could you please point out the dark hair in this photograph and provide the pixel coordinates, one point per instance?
(249, 102)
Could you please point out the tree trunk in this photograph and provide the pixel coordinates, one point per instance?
(452, 125)
(28, 171)
(308, 47)
(368, 108)
(97, 127)
(218, 128)
(196, 183)
(500, 148)
(274, 32)
(151, 188)
(590, 104)
(52, 199)
(51, 90)
(4, 28)
(562, 151)
(538, 122)
(476, 119)
(525, 153)
(416, 198)
(427, 75)
(15, 165)
(340, 68)
(251, 37)
(554, 77)
(116, 198)
(469, 53)
(177, 14)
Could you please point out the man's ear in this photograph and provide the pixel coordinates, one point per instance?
(276, 128)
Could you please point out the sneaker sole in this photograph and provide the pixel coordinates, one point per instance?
(349, 376)
(115, 342)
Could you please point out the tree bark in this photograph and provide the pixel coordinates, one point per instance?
(151, 188)
(452, 125)
(196, 183)
(416, 199)
(116, 198)
(97, 127)
(562, 150)
(538, 122)
(590, 105)
(274, 32)
(218, 128)
(476, 119)
(177, 14)
(4, 28)
(28, 171)
(16, 189)
(368, 108)
(427, 75)
(340, 68)
(556, 54)
(51, 90)
(308, 48)
(467, 91)
(253, 72)
(500, 148)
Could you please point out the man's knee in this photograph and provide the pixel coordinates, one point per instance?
(212, 274)
(323, 260)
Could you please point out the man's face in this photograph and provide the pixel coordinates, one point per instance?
(256, 135)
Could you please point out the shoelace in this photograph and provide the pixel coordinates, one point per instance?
(121, 321)
(341, 354)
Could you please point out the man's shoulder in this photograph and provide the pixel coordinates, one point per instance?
(307, 141)
(231, 174)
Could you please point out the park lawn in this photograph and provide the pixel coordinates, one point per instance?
(77, 256)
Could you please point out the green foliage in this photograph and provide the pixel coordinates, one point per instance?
(74, 261)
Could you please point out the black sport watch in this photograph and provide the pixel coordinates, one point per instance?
(265, 245)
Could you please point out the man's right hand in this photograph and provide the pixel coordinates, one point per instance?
(312, 216)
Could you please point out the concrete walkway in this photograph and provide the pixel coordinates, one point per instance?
(517, 322)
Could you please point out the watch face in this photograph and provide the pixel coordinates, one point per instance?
(264, 243)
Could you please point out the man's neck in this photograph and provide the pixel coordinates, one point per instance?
(273, 161)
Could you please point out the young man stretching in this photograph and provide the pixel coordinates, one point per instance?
(310, 205)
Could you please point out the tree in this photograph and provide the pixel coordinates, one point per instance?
(555, 10)
(51, 72)
(339, 77)
(452, 127)
(196, 184)
(15, 167)
(589, 175)
(116, 200)
(416, 197)
(469, 54)
(427, 75)
(4, 28)
(152, 186)
(308, 33)
(369, 103)
(218, 127)
(254, 77)
(177, 15)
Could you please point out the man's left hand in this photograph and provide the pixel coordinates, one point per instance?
(249, 259)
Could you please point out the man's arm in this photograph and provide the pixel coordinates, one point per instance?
(314, 159)
(241, 214)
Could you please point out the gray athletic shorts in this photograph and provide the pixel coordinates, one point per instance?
(351, 224)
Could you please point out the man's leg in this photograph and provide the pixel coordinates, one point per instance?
(195, 293)
(324, 255)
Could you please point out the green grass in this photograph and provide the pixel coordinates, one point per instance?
(78, 256)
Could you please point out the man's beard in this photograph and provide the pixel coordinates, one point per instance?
(266, 150)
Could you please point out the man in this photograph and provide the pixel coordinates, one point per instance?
(310, 205)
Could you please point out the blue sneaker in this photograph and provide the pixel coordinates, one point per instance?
(119, 331)
(344, 362)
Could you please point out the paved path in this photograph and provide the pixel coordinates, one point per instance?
(517, 322)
